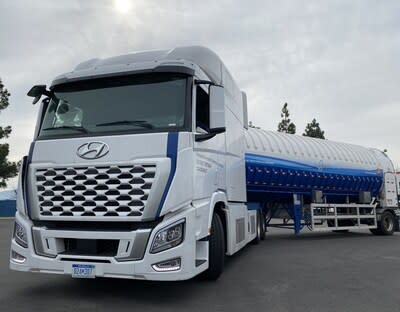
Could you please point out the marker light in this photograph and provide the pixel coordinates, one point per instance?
(168, 265)
(16, 257)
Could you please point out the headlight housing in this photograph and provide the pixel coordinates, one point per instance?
(168, 237)
(20, 235)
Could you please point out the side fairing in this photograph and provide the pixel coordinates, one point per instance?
(179, 188)
(209, 167)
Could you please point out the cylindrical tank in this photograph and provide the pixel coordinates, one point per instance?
(285, 163)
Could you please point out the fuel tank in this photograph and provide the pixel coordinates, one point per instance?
(279, 163)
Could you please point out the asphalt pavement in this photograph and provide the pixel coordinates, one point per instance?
(353, 271)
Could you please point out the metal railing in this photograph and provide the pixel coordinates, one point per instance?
(328, 217)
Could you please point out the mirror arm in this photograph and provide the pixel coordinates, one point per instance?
(206, 136)
(217, 130)
(37, 91)
(47, 93)
(200, 82)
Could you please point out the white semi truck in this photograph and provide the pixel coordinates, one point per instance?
(142, 166)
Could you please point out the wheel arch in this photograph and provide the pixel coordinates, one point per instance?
(381, 211)
(218, 199)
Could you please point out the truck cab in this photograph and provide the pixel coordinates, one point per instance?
(136, 170)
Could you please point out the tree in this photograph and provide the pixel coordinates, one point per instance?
(7, 169)
(314, 130)
(285, 124)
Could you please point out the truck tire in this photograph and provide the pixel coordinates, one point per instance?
(257, 239)
(386, 225)
(216, 250)
(263, 225)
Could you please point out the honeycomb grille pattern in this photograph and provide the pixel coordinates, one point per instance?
(98, 191)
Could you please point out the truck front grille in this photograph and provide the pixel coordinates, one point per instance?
(102, 191)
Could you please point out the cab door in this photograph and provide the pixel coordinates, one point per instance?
(209, 149)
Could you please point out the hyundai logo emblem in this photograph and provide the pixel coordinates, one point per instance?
(93, 150)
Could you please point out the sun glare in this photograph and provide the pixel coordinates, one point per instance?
(122, 6)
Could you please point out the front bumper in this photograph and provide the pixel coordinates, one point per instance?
(192, 252)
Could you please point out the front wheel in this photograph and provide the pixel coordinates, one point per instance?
(216, 250)
(385, 225)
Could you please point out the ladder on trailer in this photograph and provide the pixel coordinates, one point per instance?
(328, 217)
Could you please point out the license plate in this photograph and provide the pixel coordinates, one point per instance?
(83, 270)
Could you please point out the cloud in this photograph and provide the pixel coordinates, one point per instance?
(333, 60)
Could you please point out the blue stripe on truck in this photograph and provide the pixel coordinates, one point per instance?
(25, 179)
(172, 152)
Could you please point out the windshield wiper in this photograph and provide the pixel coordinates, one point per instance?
(81, 129)
(140, 123)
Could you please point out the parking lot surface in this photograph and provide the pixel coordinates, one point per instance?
(312, 272)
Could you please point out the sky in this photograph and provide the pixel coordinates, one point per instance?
(336, 61)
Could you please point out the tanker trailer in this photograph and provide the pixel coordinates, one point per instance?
(321, 184)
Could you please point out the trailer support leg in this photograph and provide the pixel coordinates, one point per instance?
(297, 213)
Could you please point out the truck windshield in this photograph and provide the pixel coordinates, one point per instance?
(127, 104)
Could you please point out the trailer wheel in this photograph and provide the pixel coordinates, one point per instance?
(385, 225)
(216, 250)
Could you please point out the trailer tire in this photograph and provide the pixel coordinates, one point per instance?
(216, 250)
(386, 225)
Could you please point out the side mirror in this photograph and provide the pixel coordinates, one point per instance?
(217, 107)
(217, 111)
(37, 92)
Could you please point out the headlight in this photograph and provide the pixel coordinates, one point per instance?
(168, 237)
(20, 235)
